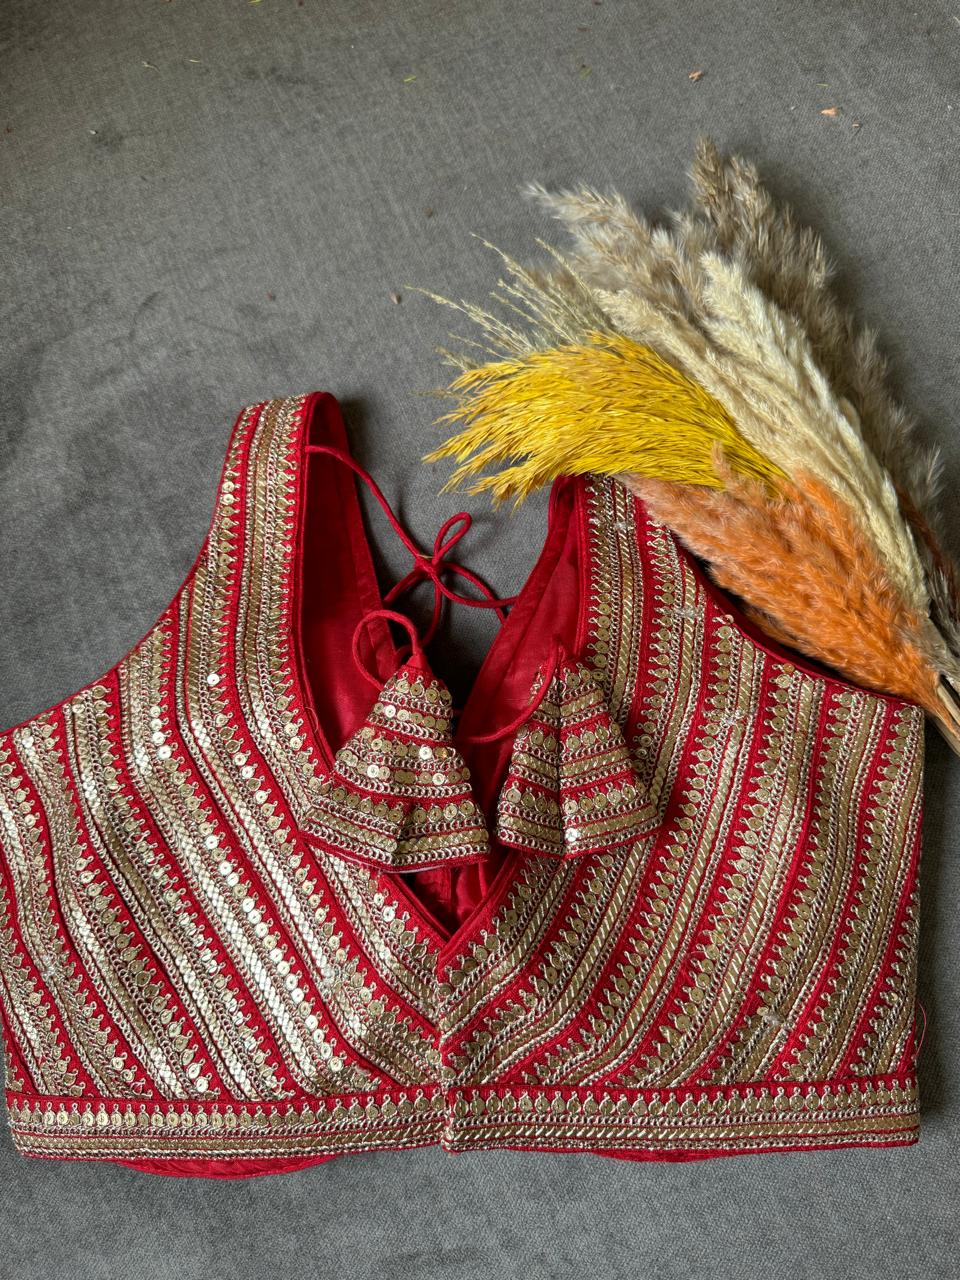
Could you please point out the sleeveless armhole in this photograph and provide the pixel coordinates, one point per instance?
(22, 815)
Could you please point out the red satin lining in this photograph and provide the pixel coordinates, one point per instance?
(226, 1170)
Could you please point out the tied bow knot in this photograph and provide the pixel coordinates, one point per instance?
(431, 564)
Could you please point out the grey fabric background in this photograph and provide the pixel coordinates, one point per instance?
(226, 224)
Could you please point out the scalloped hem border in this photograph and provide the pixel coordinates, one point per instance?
(682, 1123)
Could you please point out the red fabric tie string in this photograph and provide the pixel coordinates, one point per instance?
(432, 566)
(527, 711)
(426, 565)
(416, 650)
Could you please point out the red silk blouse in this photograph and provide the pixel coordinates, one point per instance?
(267, 897)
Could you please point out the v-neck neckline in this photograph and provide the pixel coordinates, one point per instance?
(486, 761)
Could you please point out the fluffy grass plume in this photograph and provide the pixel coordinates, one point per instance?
(706, 361)
(605, 404)
(841, 609)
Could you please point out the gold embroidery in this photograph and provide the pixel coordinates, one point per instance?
(312, 948)
(741, 978)
(749, 1118)
(45, 874)
(46, 1059)
(671, 1002)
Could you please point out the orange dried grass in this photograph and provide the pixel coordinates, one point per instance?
(809, 576)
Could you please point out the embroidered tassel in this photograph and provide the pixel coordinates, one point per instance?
(570, 787)
(399, 794)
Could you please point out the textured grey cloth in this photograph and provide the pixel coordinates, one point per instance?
(208, 205)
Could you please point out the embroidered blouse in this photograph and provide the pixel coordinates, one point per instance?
(268, 897)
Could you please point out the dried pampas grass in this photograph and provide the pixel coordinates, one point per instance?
(842, 609)
(708, 362)
(605, 404)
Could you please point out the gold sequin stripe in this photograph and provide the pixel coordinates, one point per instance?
(637, 999)
(207, 601)
(316, 955)
(58, 918)
(890, 1033)
(370, 1025)
(883, 872)
(894, 970)
(809, 916)
(32, 958)
(676, 638)
(786, 778)
(816, 932)
(679, 958)
(147, 945)
(771, 812)
(247, 863)
(249, 856)
(676, 881)
(273, 482)
(490, 994)
(500, 959)
(557, 978)
(174, 804)
(665, 693)
(265, 489)
(667, 599)
(218, 1003)
(755, 1117)
(387, 1120)
(679, 887)
(579, 1010)
(204, 986)
(242, 545)
(238, 599)
(887, 1031)
(752, 1117)
(732, 767)
(618, 592)
(20, 1030)
(403, 957)
(10, 1050)
(207, 727)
